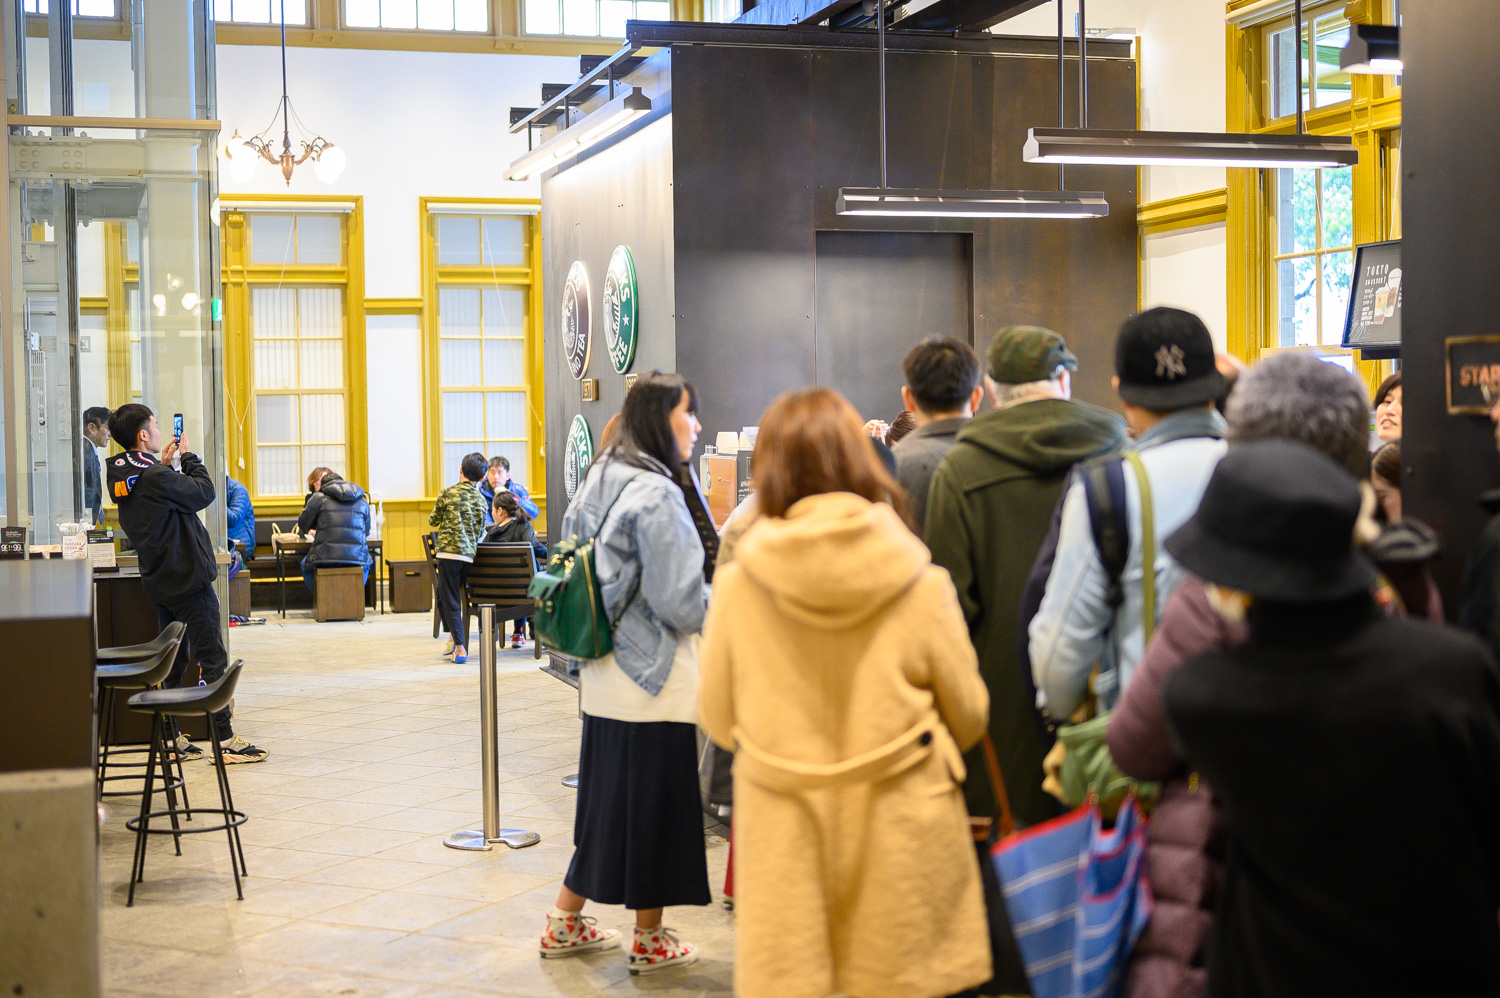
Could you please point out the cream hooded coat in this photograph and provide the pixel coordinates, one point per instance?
(836, 663)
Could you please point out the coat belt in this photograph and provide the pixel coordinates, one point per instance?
(896, 756)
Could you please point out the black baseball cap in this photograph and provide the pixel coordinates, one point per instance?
(1277, 521)
(1164, 358)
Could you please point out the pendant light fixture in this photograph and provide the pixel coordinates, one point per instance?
(1231, 149)
(913, 202)
(328, 159)
(1373, 50)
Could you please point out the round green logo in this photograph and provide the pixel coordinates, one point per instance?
(577, 456)
(620, 311)
(575, 319)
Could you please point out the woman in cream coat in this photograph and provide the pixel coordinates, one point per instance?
(855, 872)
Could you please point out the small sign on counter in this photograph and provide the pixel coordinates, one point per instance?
(12, 543)
(102, 550)
(1473, 364)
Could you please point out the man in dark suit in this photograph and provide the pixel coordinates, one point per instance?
(95, 435)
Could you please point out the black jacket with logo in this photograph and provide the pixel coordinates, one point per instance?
(159, 513)
(340, 514)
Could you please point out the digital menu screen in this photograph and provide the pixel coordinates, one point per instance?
(1373, 323)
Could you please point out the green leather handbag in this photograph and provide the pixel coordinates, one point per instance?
(570, 614)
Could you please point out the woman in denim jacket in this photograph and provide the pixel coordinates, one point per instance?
(639, 830)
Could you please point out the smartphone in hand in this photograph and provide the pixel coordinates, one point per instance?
(176, 427)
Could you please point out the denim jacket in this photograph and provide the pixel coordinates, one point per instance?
(1075, 626)
(649, 560)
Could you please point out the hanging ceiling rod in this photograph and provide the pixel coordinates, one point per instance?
(912, 202)
(1230, 149)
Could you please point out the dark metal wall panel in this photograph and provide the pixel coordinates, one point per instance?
(1450, 252)
(878, 294)
(622, 197)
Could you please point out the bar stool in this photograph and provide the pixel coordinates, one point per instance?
(133, 668)
(179, 702)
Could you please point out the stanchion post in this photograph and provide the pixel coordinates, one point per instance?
(481, 840)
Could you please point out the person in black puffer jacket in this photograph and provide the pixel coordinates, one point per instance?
(340, 515)
(512, 527)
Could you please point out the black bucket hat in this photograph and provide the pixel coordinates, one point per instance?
(1165, 360)
(1277, 521)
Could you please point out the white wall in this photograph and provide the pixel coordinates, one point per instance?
(1187, 268)
(413, 124)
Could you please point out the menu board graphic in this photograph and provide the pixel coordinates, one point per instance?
(1373, 323)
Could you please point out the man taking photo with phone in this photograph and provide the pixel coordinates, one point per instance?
(159, 500)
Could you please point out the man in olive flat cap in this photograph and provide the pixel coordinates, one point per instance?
(990, 505)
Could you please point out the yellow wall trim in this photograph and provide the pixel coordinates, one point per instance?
(93, 305)
(413, 41)
(1203, 208)
(393, 306)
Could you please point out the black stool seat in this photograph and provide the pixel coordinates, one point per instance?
(136, 675)
(139, 653)
(128, 675)
(160, 704)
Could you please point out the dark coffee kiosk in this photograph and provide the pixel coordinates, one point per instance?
(744, 276)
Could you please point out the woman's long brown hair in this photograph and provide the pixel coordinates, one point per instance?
(811, 442)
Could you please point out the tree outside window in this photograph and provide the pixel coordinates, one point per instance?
(1313, 263)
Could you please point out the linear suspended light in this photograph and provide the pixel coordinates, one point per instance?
(593, 129)
(1136, 148)
(909, 202)
(1097, 146)
(1373, 50)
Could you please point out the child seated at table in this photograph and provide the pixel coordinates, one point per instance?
(513, 526)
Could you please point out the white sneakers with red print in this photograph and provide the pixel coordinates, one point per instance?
(659, 948)
(570, 933)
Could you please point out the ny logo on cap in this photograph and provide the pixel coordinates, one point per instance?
(1170, 363)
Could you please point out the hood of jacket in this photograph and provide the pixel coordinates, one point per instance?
(340, 490)
(834, 560)
(1046, 435)
(122, 472)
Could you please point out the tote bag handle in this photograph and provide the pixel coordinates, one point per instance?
(1003, 824)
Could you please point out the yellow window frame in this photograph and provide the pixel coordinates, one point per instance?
(529, 277)
(240, 277)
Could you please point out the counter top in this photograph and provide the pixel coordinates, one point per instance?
(48, 589)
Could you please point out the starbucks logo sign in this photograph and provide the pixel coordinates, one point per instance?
(575, 319)
(620, 309)
(577, 456)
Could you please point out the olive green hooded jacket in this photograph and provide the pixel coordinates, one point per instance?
(991, 504)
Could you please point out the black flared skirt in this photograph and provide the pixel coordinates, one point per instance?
(639, 825)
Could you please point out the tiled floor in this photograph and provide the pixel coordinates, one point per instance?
(374, 743)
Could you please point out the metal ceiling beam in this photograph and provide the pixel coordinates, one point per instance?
(659, 34)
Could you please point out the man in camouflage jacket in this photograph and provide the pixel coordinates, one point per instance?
(459, 516)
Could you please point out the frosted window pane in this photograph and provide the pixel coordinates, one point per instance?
(322, 364)
(95, 8)
(453, 456)
(579, 17)
(463, 416)
(276, 471)
(652, 10)
(319, 239)
(296, 12)
(504, 362)
(504, 312)
(323, 419)
(612, 17)
(275, 364)
(271, 238)
(505, 414)
(435, 15)
(505, 240)
(253, 11)
(459, 366)
(398, 13)
(458, 311)
(541, 17)
(458, 239)
(362, 13)
(322, 457)
(273, 312)
(321, 313)
(471, 15)
(276, 419)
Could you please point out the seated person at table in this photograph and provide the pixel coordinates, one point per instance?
(498, 480)
(512, 526)
(337, 518)
(159, 501)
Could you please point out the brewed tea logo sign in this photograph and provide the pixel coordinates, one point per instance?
(577, 456)
(620, 310)
(575, 319)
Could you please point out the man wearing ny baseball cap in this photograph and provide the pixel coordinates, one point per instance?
(991, 500)
(1167, 380)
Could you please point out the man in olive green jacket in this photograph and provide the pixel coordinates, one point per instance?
(990, 507)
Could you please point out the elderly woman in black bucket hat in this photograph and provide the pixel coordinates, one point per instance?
(1356, 755)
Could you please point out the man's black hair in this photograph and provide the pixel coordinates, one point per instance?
(126, 423)
(96, 414)
(942, 373)
(646, 420)
(500, 461)
(474, 466)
